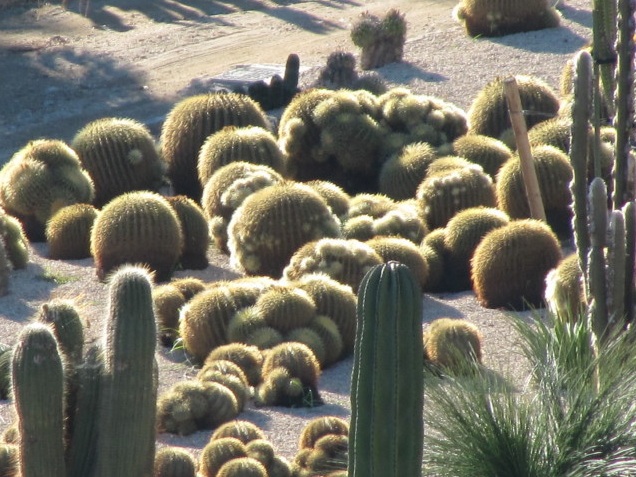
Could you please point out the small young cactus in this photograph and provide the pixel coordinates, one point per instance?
(242, 467)
(319, 427)
(167, 300)
(381, 39)
(120, 156)
(68, 232)
(285, 308)
(196, 236)
(510, 264)
(174, 462)
(339, 72)
(189, 124)
(452, 344)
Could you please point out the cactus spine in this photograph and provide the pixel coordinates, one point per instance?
(38, 389)
(127, 407)
(386, 434)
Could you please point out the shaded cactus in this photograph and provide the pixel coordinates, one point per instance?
(565, 290)
(167, 301)
(436, 263)
(188, 125)
(404, 251)
(452, 345)
(6, 353)
(120, 156)
(248, 358)
(504, 17)
(339, 72)
(137, 227)
(510, 264)
(242, 467)
(189, 286)
(37, 365)
(38, 180)
(174, 462)
(463, 234)
(194, 227)
(387, 379)
(16, 244)
(381, 39)
(554, 174)
(68, 232)
(219, 451)
(343, 260)
(486, 151)
(488, 113)
(9, 466)
(441, 196)
(226, 190)
(128, 395)
(252, 144)
(255, 240)
(244, 431)
(329, 334)
(403, 172)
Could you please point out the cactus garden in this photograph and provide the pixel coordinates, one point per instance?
(341, 266)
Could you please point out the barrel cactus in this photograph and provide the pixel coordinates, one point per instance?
(194, 227)
(402, 173)
(218, 452)
(452, 345)
(488, 113)
(242, 430)
(189, 124)
(137, 227)
(38, 180)
(248, 358)
(68, 232)
(486, 151)
(335, 196)
(243, 466)
(380, 39)
(174, 462)
(404, 251)
(120, 156)
(67, 326)
(510, 264)
(273, 223)
(252, 144)
(167, 301)
(565, 290)
(285, 307)
(15, 241)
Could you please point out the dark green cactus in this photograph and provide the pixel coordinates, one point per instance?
(189, 124)
(510, 264)
(174, 462)
(252, 144)
(339, 71)
(452, 345)
(38, 180)
(68, 232)
(486, 151)
(137, 227)
(196, 236)
(256, 243)
(120, 156)
(37, 365)
(290, 78)
(15, 241)
(386, 430)
(504, 17)
(127, 405)
(380, 39)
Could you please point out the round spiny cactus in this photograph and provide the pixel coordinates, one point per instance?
(68, 232)
(280, 388)
(346, 261)
(463, 234)
(441, 196)
(120, 156)
(242, 467)
(329, 334)
(174, 462)
(222, 366)
(189, 286)
(273, 223)
(339, 72)
(244, 431)
(565, 291)
(262, 450)
(403, 220)
(298, 359)
(381, 39)
(9, 462)
(402, 173)
(329, 455)
(488, 114)
(403, 251)
(510, 264)
(252, 144)
(243, 324)
(436, 268)
(486, 151)
(554, 174)
(285, 308)
(196, 237)
(137, 227)
(373, 205)
(38, 180)
(448, 163)
(248, 358)
(235, 384)
(167, 301)
(452, 344)
(503, 17)
(16, 244)
(217, 452)
(334, 195)
(312, 339)
(319, 427)
(189, 124)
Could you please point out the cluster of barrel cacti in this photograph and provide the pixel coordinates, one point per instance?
(322, 447)
(340, 73)
(381, 40)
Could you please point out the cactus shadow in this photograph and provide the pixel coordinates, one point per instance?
(534, 41)
(435, 307)
(405, 72)
(577, 15)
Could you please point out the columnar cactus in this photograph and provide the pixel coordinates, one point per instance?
(65, 321)
(37, 366)
(386, 431)
(565, 290)
(120, 156)
(128, 396)
(68, 232)
(188, 125)
(137, 227)
(503, 17)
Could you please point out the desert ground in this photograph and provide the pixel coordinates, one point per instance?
(62, 66)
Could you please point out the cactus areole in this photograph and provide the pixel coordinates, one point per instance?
(386, 433)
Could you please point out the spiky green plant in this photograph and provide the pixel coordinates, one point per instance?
(380, 39)
(244, 431)
(174, 462)
(486, 151)
(450, 344)
(68, 232)
(219, 451)
(15, 241)
(196, 236)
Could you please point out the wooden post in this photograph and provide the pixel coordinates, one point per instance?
(531, 183)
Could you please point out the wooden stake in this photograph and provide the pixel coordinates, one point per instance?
(530, 181)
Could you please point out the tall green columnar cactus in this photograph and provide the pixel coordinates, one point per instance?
(127, 405)
(604, 14)
(581, 112)
(623, 120)
(629, 211)
(38, 390)
(616, 268)
(386, 433)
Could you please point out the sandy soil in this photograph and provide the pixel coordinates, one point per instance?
(62, 67)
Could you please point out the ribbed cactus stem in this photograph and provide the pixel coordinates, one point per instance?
(616, 269)
(604, 13)
(597, 287)
(579, 146)
(629, 212)
(386, 433)
(127, 406)
(38, 389)
(624, 103)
